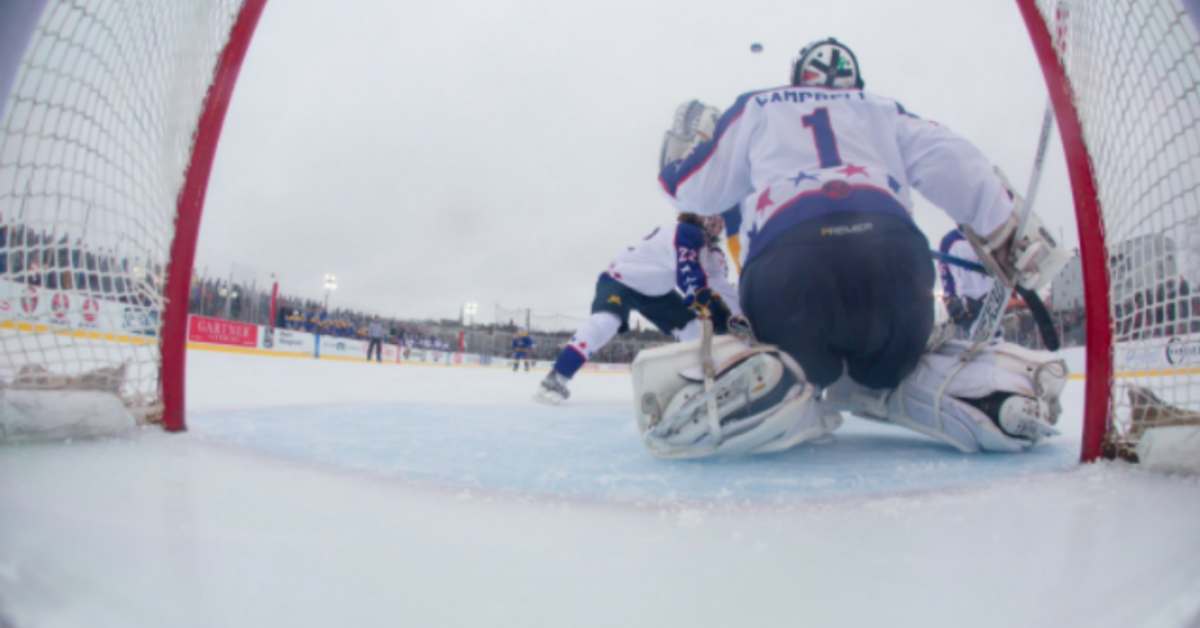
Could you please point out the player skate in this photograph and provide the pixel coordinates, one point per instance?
(758, 401)
(553, 389)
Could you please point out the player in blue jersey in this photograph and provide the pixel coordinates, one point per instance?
(838, 277)
(522, 350)
(671, 275)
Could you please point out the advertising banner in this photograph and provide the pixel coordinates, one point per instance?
(286, 341)
(74, 310)
(222, 332)
(1173, 352)
(343, 347)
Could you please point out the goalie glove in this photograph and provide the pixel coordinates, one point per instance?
(706, 303)
(694, 123)
(1031, 259)
(720, 314)
(700, 299)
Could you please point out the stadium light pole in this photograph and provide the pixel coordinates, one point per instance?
(228, 294)
(330, 286)
(470, 310)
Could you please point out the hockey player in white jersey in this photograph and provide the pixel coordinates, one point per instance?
(669, 276)
(838, 280)
(963, 289)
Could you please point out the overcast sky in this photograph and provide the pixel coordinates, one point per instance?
(501, 152)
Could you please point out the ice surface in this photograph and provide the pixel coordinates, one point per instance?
(311, 493)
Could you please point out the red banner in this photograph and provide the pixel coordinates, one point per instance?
(222, 332)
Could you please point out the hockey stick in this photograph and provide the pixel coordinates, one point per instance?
(710, 372)
(992, 312)
(958, 261)
(1037, 308)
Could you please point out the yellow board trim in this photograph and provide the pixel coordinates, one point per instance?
(89, 334)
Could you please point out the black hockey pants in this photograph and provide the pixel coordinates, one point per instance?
(847, 291)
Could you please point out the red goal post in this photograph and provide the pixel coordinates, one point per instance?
(110, 114)
(1124, 81)
(190, 207)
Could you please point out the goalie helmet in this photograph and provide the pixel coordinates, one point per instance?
(826, 63)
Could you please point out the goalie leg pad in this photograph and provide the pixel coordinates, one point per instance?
(1005, 398)
(763, 402)
(1001, 367)
(657, 374)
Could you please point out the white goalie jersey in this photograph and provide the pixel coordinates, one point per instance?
(806, 141)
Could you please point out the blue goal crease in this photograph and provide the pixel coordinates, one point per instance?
(594, 453)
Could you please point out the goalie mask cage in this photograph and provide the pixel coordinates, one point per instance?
(1124, 80)
(109, 118)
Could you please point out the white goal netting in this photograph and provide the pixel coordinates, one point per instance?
(1133, 68)
(95, 139)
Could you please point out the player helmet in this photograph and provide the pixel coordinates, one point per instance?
(712, 226)
(826, 63)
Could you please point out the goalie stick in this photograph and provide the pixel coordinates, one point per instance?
(1037, 307)
(992, 311)
(710, 371)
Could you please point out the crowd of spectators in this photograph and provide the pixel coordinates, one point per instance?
(312, 317)
(41, 258)
(1169, 309)
(247, 302)
(1019, 327)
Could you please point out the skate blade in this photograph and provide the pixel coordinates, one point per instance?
(548, 398)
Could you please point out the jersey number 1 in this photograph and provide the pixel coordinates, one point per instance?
(822, 131)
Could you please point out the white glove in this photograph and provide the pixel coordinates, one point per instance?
(1032, 259)
(694, 123)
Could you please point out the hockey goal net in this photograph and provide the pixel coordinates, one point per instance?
(109, 118)
(1124, 79)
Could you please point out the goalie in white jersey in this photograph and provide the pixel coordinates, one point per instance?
(839, 280)
(671, 274)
